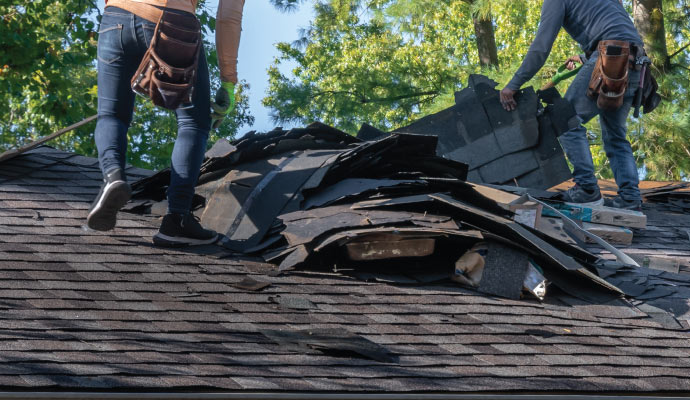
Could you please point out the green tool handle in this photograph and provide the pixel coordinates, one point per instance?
(562, 74)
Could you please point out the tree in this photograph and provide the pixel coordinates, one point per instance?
(48, 81)
(649, 20)
(389, 62)
(661, 140)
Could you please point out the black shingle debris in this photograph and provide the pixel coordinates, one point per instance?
(332, 342)
(500, 147)
(318, 198)
(676, 197)
(371, 202)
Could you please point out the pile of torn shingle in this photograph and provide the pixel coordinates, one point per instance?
(317, 197)
(500, 147)
(675, 196)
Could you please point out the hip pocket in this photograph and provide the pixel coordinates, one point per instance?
(110, 43)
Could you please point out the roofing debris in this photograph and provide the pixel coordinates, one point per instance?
(389, 200)
(675, 196)
(316, 197)
(398, 208)
(500, 147)
(613, 225)
(333, 342)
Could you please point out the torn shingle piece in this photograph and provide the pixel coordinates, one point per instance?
(368, 132)
(304, 226)
(246, 217)
(334, 343)
(504, 271)
(482, 150)
(251, 284)
(631, 289)
(472, 114)
(349, 187)
(294, 257)
(507, 167)
(443, 125)
(222, 148)
(656, 292)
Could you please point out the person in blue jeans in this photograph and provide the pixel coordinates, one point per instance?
(588, 22)
(124, 36)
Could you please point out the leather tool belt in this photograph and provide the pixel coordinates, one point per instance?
(610, 75)
(167, 73)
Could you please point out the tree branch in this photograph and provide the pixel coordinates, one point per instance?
(364, 100)
(680, 66)
(679, 51)
(401, 97)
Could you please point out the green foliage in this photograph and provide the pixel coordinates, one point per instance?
(48, 49)
(48, 82)
(389, 62)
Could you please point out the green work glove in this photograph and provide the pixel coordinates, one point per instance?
(225, 102)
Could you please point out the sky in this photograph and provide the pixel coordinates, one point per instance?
(262, 27)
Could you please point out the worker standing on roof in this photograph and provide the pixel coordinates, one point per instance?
(127, 30)
(604, 86)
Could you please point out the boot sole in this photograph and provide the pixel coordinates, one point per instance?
(162, 240)
(103, 216)
(599, 202)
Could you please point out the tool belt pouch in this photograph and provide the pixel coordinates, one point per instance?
(167, 73)
(610, 75)
(650, 97)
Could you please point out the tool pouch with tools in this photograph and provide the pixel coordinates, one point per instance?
(167, 73)
(610, 75)
(646, 96)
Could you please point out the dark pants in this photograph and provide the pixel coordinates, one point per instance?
(122, 41)
(613, 134)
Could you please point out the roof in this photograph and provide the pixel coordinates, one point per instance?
(84, 310)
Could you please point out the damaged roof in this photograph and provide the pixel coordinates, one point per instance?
(84, 310)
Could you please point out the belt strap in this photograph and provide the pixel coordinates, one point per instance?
(146, 11)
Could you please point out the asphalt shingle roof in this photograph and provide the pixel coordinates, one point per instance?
(86, 310)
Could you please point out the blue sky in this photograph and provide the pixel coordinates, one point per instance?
(262, 27)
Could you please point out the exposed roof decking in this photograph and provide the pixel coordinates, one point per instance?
(86, 310)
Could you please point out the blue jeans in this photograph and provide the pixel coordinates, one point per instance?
(613, 130)
(122, 41)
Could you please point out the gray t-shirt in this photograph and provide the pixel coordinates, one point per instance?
(587, 21)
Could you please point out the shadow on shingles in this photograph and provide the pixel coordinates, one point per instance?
(213, 250)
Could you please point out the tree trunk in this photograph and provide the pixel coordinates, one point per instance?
(486, 41)
(649, 20)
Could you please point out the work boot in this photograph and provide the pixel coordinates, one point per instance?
(619, 202)
(183, 230)
(114, 194)
(582, 196)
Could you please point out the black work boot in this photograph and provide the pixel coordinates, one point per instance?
(619, 202)
(114, 194)
(582, 196)
(183, 230)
